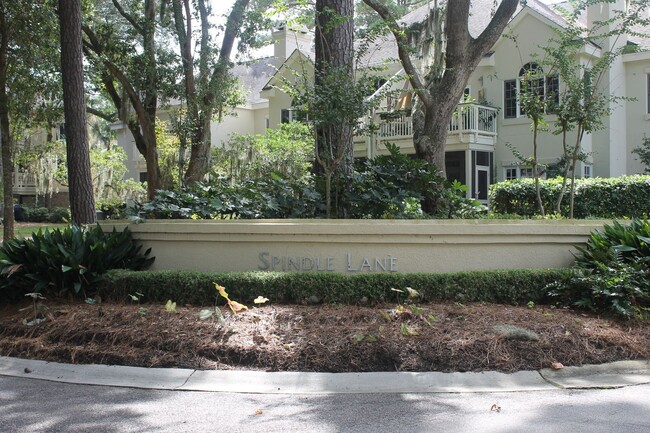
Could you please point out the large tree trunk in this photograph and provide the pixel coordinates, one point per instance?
(335, 55)
(5, 130)
(82, 203)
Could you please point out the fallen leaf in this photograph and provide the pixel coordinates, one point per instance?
(557, 366)
(495, 407)
(413, 293)
(258, 412)
(261, 300)
(236, 307)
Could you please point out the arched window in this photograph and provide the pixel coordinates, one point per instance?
(531, 79)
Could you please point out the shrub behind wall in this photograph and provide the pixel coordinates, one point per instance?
(619, 197)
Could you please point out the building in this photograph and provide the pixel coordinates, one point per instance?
(489, 123)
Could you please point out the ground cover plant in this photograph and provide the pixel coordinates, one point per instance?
(388, 186)
(612, 273)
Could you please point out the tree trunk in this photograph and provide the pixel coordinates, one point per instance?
(5, 130)
(144, 99)
(210, 84)
(440, 89)
(82, 203)
(335, 55)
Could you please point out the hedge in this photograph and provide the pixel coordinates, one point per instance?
(515, 287)
(619, 197)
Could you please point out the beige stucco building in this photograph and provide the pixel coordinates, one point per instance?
(483, 131)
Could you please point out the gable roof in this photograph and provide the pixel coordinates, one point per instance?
(481, 13)
(297, 57)
(252, 76)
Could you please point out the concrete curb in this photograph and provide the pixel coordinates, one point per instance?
(612, 375)
(616, 374)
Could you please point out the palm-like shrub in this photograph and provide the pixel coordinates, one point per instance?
(68, 259)
(612, 274)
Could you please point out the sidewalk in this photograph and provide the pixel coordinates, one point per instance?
(613, 375)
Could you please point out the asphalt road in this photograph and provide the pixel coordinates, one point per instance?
(28, 405)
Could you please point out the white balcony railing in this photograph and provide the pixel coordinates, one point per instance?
(24, 180)
(468, 118)
(475, 119)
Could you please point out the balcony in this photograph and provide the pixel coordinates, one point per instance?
(24, 183)
(472, 126)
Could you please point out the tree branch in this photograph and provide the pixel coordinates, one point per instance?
(109, 117)
(494, 30)
(232, 30)
(128, 17)
(402, 50)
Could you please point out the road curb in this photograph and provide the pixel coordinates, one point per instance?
(616, 374)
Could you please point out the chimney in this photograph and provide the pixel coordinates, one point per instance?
(287, 40)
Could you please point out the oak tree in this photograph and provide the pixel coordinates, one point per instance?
(444, 39)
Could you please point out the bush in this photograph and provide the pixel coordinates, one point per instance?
(391, 186)
(620, 197)
(288, 151)
(387, 187)
(516, 287)
(37, 214)
(59, 215)
(275, 197)
(71, 258)
(612, 274)
(112, 209)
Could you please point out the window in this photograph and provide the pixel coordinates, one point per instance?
(586, 170)
(530, 79)
(143, 176)
(292, 115)
(510, 173)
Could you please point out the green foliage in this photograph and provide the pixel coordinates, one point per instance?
(287, 151)
(390, 186)
(37, 214)
(197, 288)
(43, 214)
(272, 198)
(620, 197)
(643, 151)
(612, 274)
(59, 215)
(617, 242)
(385, 186)
(72, 258)
(112, 209)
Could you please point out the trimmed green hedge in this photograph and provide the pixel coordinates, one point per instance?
(618, 197)
(516, 287)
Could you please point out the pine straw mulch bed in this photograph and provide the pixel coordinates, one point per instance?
(329, 338)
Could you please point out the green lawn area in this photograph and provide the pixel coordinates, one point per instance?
(22, 230)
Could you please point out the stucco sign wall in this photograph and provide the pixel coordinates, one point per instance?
(355, 246)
